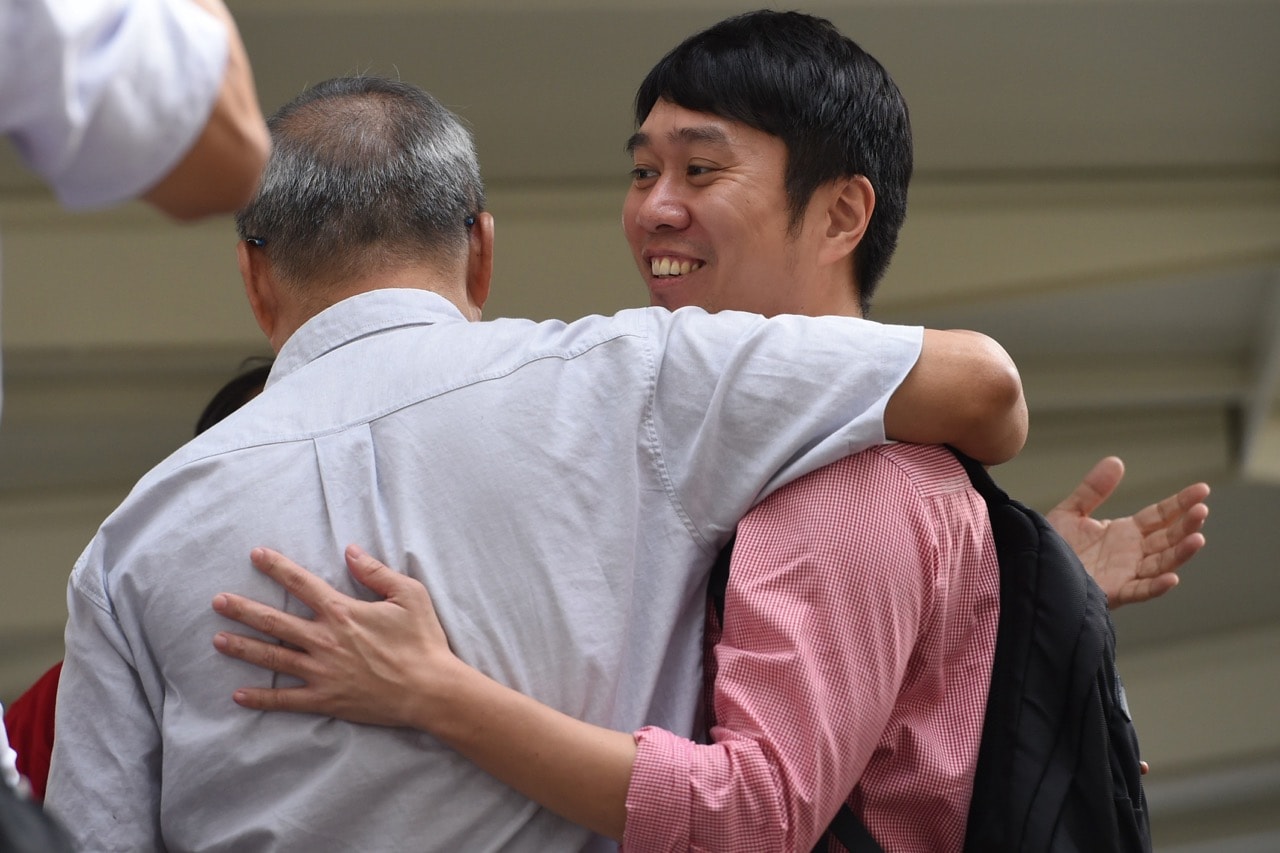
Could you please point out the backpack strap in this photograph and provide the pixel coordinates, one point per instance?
(980, 478)
(26, 828)
(847, 828)
(718, 585)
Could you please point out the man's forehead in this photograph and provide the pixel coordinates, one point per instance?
(671, 124)
(685, 135)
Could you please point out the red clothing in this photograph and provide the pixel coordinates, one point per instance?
(860, 624)
(29, 721)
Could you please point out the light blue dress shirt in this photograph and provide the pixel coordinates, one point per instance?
(561, 489)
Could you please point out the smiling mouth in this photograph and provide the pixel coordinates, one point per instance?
(671, 267)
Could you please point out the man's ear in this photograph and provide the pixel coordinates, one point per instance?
(259, 286)
(480, 261)
(849, 210)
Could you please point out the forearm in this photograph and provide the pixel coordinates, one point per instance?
(575, 769)
(584, 772)
(964, 391)
(220, 171)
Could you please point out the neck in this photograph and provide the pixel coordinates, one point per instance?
(840, 303)
(298, 309)
(830, 296)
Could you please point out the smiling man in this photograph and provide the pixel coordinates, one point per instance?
(771, 165)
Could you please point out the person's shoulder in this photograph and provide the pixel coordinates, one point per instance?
(931, 468)
(528, 338)
(925, 466)
(937, 459)
(883, 483)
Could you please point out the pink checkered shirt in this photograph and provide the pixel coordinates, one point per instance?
(856, 653)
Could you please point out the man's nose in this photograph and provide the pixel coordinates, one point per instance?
(663, 206)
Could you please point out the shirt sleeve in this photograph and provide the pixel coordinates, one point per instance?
(745, 404)
(104, 778)
(102, 98)
(819, 628)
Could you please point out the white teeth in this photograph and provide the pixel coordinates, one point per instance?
(669, 267)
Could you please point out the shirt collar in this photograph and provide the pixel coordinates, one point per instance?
(357, 316)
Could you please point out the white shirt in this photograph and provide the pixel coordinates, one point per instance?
(8, 758)
(561, 490)
(102, 98)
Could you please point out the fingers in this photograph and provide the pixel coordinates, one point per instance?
(1187, 548)
(1173, 530)
(1196, 493)
(1169, 550)
(299, 582)
(261, 617)
(1098, 485)
(1175, 540)
(396, 588)
(1143, 589)
(1188, 500)
(279, 659)
(374, 574)
(301, 700)
(270, 656)
(1174, 557)
(1155, 587)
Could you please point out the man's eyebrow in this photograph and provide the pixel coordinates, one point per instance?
(636, 140)
(699, 133)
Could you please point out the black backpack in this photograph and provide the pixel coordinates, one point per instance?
(25, 828)
(1058, 768)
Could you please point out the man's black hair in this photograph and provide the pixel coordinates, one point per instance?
(235, 393)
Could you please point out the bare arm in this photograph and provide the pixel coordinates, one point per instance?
(388, 663)
(964, 391)
(220, 171)
(1134, 558)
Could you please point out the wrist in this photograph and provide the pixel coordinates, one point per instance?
(441, 703)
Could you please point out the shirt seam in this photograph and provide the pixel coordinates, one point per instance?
(659, 458)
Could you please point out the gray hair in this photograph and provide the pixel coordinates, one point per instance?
(364, 172)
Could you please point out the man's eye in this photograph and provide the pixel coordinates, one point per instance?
(640, 173)
(695, 170)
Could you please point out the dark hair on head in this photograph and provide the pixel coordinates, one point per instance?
(796, 77)
(241, 389)
(364, 171)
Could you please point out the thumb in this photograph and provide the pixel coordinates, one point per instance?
(1098, 485)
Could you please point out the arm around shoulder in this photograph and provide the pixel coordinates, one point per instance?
(220, 171)
(964, 391)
